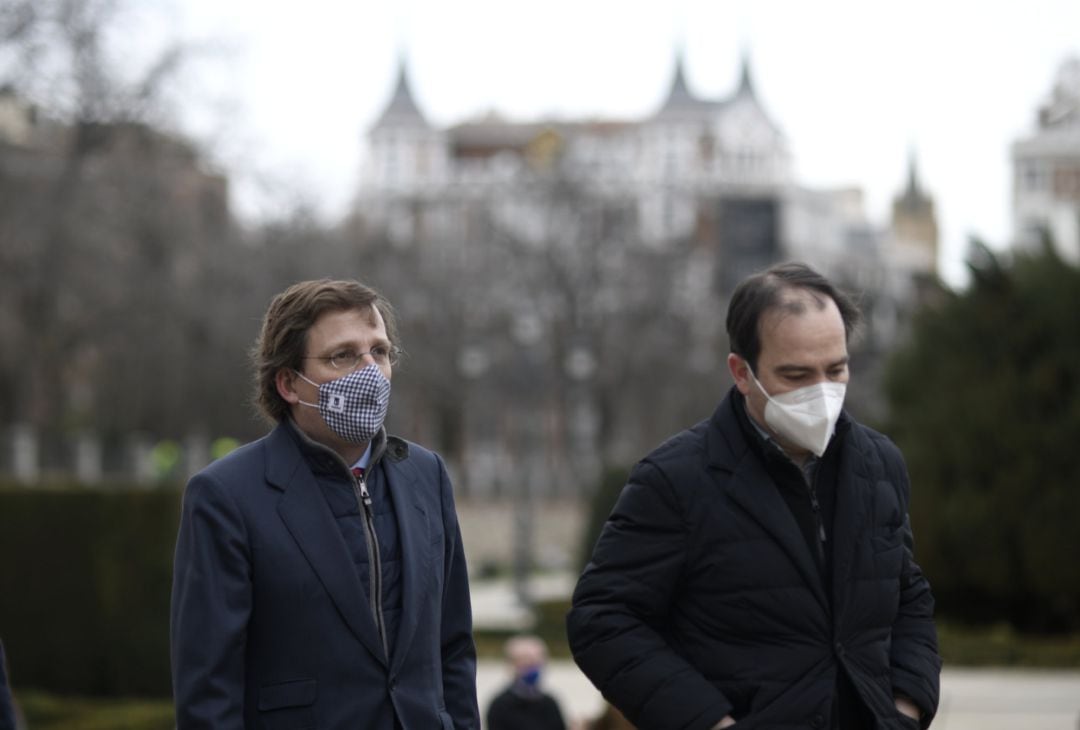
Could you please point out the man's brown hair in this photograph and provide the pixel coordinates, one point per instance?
(765, 290)
(282, 340)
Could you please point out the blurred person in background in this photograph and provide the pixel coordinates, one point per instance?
(758, 568)
(523, 705)
(319, 578)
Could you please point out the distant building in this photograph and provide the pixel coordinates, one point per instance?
(37, 151)
(719, 171)
(672, 209)
(914, 228)
(1046, 171)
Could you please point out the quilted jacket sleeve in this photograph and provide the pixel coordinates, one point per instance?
(620, 606)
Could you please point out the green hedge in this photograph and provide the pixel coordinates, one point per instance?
(85, 577)
(45, 711)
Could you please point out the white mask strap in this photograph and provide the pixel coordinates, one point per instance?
(304, 402)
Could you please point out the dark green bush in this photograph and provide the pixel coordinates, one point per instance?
(45, 711)
(985, 401)
(85, 577)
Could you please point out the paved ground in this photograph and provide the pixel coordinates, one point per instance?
(972, 699)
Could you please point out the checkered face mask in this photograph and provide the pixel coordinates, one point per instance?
(354, 406)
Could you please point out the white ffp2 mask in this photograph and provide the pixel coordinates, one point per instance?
(806, 416)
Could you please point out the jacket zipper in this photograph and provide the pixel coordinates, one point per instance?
(363, 497)
(816, 507)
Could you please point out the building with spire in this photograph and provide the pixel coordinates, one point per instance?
(718, 171)
(1046, 171)
(914, 228)
(566, 241)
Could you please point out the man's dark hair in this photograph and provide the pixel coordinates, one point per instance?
(764, 291)
(283, 338)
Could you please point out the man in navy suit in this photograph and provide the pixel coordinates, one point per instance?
(319, 579)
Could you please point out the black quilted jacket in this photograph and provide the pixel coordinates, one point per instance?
(702, 598)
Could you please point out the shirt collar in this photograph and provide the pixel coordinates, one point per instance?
(809, 466)
(362, 462)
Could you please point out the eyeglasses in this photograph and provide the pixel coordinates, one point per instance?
(349, 360)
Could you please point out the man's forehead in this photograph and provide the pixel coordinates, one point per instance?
(799, 300)
(328, 321)
(802, 322)
(793, 303)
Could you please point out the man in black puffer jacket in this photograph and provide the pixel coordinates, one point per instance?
(758, 570)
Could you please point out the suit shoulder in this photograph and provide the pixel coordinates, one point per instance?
(399, 449)
(238, 466)
(401, 453)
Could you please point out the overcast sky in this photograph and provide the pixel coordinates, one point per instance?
(291, 88)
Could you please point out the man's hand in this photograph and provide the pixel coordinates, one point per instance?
(726, 722)
(907, 707)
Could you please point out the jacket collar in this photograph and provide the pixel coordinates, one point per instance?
(750, 433)
(733, 446)
(292, 462)
(324, 460)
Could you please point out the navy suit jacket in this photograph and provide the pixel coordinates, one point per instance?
(271, 627)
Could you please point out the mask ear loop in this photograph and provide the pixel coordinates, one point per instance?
(304, 402)
(758, 383)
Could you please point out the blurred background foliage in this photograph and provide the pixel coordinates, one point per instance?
(985, 404)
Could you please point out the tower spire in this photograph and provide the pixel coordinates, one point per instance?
(913, 173)
(402, 108)
(679, 98)
(746, 82)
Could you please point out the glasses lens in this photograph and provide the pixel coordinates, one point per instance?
(351, 362)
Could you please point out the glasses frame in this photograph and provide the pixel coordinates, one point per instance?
(392, 358)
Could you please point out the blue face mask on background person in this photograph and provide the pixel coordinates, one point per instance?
(354, 406)
(531, 677)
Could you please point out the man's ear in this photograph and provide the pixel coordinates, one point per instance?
(285, 380)
(740, 372)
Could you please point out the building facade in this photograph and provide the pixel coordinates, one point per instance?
(1046, 171)
(583, 238)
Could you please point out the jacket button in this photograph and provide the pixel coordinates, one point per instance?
(817, 721)
(839, 649)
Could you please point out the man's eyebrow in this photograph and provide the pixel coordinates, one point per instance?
(349, 344)
(792, 369)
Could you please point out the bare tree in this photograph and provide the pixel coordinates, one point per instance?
(102, 221)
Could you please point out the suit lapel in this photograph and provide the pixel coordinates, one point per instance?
(753, 489)
(309, 520)
(415, 551)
